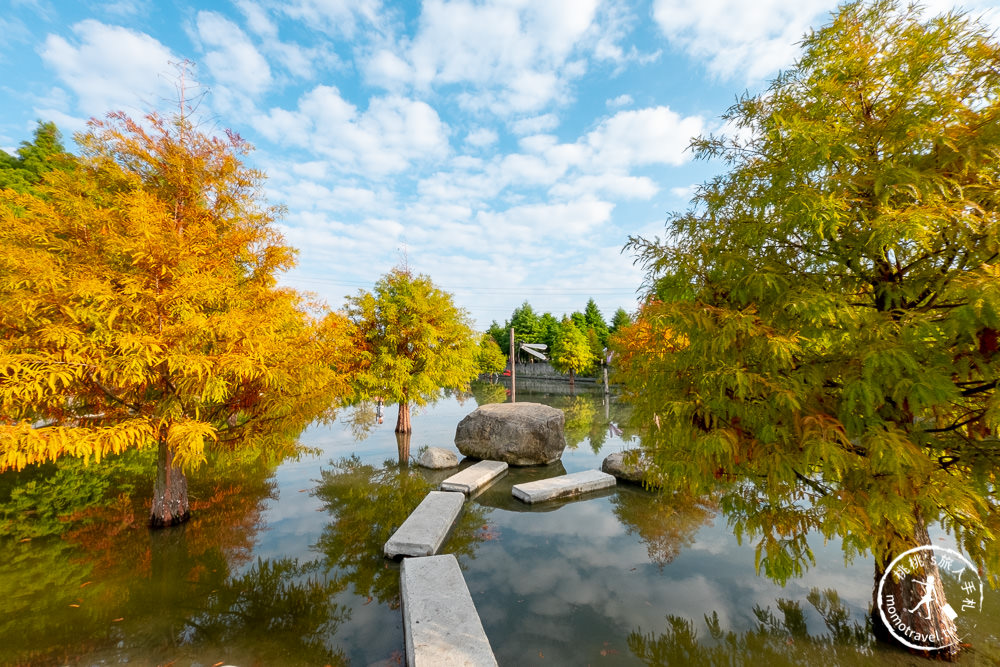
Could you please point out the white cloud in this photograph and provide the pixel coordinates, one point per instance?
(340, 17)
(512, 55)
(111, 68)
(257, 19)
(685, 193)
(737, 38)
(752, 41)
(530, 170)
(568, 219)
(125, 7)
(623, 100)
(314, 169)
(299, 60)
(387, 69)
(535, 124)
(393, 133)
(481, 137)
(309, 195)
(655, 135)
(611, 184)
(231, 58)
(66, 123)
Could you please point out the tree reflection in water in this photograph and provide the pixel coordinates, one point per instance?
(780, 638)
(286, 607)
(666, 523)
(367, 504)
(86, 578)
(489, 392)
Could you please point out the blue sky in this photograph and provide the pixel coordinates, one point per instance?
(506, 148)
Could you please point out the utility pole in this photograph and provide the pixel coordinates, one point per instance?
(513, 398)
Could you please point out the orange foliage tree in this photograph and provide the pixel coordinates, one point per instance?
(139, 307)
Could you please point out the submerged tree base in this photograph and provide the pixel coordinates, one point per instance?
(170, 494)
(172, 520)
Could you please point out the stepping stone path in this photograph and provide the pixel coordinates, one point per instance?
(475, 477)
(440, 620)
(423, 532)
(562, 486)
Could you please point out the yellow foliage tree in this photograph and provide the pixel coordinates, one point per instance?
(139, 307)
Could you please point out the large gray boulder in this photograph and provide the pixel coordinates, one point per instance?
(520, 434)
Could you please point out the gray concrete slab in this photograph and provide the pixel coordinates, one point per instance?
(475, 477)
(562, 486)
(424, 530)
(440, 621)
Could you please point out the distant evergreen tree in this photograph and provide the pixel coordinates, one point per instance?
(592, 316)
(549, 326)
(620, 319)
(44, 153)
(527, 328)
(501, 335)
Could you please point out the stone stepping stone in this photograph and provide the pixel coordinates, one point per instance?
(475, 477)
(440, 621)
(423, 532)
(562, 486)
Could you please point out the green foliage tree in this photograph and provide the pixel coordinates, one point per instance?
(571, 352)
(415, 342)
(489, 357)
(44, 153)
(620, 319)
(833, 300)
(500, 335)
(595, 345)
(595, 320)
(139, 307)
(549, 327)
(526, 324)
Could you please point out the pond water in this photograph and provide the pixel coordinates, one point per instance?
(282, 565)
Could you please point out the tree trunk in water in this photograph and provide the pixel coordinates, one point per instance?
(571, 381)
(914, 605)
(170, 493)
(403, 418)
(403, 447)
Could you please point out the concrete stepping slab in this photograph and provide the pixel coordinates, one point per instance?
(440, 621)
(475, 477)
(423, 532)
(562, 486)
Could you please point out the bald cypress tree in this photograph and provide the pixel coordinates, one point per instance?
(414, 342)
(823, 323)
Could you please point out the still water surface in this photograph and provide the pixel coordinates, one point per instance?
(283, 566)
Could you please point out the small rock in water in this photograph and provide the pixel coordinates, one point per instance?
(437, 458)
(637, 473)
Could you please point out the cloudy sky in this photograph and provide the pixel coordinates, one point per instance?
(506, 148)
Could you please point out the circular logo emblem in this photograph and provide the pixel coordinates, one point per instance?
(933, 600)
